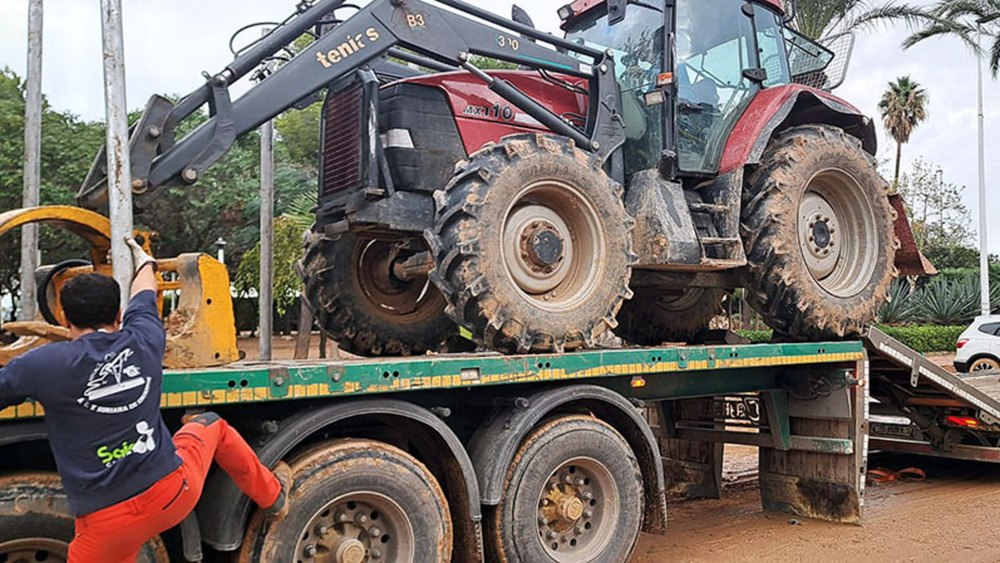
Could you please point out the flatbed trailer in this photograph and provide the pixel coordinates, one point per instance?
(922, 408)
(478, 427)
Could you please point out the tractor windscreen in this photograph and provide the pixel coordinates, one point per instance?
(715, 45)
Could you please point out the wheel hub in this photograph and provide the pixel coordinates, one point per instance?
(542, 246)
(357, 528)
(577, 510)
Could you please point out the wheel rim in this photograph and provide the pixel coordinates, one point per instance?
(577, 511)
(554, 245)
(983, 365)
(836, 226)
(408, 301)
(355, 528)
(33, 550)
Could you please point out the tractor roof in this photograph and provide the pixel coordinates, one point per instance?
(580, 6)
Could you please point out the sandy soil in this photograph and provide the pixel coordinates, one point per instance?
(948, 517)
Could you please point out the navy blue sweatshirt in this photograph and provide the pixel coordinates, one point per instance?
(101, 394)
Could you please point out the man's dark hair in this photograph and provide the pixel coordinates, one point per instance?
(91, 301)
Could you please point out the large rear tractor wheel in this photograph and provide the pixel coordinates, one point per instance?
(356, 501)
(654, 316)
(532, 246)
(352, 287)
(36, 526)
(819, 235)
(573, 494)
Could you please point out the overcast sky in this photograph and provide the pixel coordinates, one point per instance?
(169, 42)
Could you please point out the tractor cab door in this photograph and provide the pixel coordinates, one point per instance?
(638, 41)
(720, 48)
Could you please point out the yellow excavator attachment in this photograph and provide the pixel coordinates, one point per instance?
(201, 329)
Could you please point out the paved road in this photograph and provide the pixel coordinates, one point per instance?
(952, 516)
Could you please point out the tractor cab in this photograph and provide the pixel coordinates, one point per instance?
(688, 99)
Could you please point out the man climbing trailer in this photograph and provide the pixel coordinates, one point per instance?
(125, 480)
(610, 183)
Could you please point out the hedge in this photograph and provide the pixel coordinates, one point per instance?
(924, 339)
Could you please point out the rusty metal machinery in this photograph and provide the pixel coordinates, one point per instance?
(201, 329)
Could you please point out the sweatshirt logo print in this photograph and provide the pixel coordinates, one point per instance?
(144, 444)
(115, 386)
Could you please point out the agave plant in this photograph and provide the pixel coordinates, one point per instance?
(901, 307)
(948, 303)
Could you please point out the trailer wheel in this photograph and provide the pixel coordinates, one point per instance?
(819, 235)
(364, 307)
(573, 494)
(654, 316)
(356, 500)
(532, 245)
(36, 526)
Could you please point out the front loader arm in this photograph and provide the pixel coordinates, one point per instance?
(445, 37)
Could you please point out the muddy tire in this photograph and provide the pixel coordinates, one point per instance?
(819, 237)
(573, 494)
(364, 308)
(35, 524)
(532, 246)
(353, 497)
(654, 316)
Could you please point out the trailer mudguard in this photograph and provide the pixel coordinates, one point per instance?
(223, 510)
(21, 432)
(494, 445)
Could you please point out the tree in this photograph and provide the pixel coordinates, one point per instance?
(937, 215)
(958, 18)
(903, 107)
(287, 252)
(820, 18)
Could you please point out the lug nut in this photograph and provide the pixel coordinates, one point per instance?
(579, 482)
(375, 553)
(542, 521)
(587, 495)
(578, 530)
(309, 551)
(568, 478)
(588, 513)
(342, 517)
(322, 530)
(374, 531)
(360, 518)
(551, 535)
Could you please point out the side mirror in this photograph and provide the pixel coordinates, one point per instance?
(616, 11)
(519, 15)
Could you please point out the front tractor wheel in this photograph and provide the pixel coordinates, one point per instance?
(655, 315)
(353, 288)
(532, 246)
(819, 235)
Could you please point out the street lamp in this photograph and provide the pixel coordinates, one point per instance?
(220, 248)
(984, 270)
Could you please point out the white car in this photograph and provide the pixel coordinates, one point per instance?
(978, 348)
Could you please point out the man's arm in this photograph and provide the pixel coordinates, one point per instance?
(11, 392)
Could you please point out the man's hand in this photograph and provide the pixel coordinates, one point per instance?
(145, 268)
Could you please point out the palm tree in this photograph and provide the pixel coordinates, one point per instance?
(960, 18)
(903, 107)
(819, 18)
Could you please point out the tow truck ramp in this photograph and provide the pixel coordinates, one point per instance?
(921, 408)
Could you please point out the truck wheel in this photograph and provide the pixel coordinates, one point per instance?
(356, 500)
(532, 245)
(819, 235)
(365, 308)
(655, 316)
(35, 524)
(572, 494)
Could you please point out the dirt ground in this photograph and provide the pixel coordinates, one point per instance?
(948, 517)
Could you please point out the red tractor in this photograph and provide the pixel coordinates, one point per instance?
(624, 177)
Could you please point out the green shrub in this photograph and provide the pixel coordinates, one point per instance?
(756, 336)
(901, 307)
(926, 338)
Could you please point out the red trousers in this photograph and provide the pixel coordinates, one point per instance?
(117, 533)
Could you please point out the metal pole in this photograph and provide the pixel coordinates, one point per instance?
(984, 269)
(119, 163)
(266, 238)
(32, 158)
